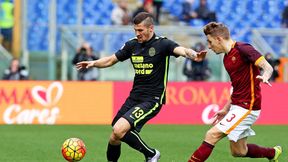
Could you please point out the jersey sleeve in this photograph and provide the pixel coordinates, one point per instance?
(124, 52)
(170, 46)
(250, 52)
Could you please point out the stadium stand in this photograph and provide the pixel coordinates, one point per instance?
(240, 16)
(94, 13)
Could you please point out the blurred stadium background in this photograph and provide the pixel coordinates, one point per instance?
(47, 32)
(46, 36)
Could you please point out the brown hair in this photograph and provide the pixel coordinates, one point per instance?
(145, 17)
(216, 29)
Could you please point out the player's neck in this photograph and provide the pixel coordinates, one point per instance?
(150, 37)
(229, 45)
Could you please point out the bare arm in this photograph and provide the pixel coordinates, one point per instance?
(185, 52)
(189, 53)
(267, 71)
(101, 63)
(227, 105)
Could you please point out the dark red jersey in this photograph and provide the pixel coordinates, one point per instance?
(240, 64)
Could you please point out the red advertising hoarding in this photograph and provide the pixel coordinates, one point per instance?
(196, 102)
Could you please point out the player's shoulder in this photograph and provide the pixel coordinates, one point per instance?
(131, 42)
(164, 40)
(161, 37)
(242, 44)
(134, 39)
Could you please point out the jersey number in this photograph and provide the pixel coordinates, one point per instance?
(232, 117)
(138, 112)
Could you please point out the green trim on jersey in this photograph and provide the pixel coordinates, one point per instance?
(149, 112)
(165, 79)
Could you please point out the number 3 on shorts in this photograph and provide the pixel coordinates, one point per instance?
(138, 112)
(231, 118)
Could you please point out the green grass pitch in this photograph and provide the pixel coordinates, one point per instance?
(42, 143)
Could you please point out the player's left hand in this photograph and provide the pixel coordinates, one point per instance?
(263, 79)
(200, 56)
(219, 115)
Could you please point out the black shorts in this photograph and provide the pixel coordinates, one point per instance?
(137, 112)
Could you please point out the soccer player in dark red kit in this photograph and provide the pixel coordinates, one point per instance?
(242, 62)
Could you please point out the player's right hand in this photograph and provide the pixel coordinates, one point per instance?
(84, 65)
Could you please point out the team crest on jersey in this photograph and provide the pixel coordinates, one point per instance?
(233, 59)
(152, 51)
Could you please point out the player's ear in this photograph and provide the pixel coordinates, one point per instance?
(151, 28)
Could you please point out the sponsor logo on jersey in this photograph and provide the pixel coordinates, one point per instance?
(140, 67)
(137, 59)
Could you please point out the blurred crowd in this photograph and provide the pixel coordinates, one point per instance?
(122, 14)
(16, 71)
(200, 12)
(86, 53)
(197, 71)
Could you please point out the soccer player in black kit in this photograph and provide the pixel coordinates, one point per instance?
(149, 55)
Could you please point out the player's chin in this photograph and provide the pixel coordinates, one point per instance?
(216, 52)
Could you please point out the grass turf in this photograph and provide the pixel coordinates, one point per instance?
(42, 143)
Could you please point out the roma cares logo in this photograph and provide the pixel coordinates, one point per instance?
(46, 114)
(45, 96)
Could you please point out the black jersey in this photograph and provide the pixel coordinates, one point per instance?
(151, 63)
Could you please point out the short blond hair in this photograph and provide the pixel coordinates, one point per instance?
(216, 29)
